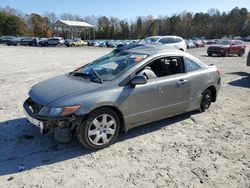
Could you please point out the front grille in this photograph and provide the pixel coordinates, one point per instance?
(35, 107)
(215, 48)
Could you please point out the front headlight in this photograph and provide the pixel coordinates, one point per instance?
(58, 111)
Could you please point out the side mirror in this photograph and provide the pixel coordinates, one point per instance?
(138, 80)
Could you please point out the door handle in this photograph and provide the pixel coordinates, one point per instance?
(182, 82)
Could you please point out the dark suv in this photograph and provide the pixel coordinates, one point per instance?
(5, 39)
(226, 47)
(29, 41)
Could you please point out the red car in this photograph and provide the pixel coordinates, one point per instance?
(226, 47)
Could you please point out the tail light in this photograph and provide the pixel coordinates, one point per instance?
(218, 72)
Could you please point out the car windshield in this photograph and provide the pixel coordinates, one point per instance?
(151, 39)
(109, 66)
(225, 42)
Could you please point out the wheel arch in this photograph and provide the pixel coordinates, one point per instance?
(212, 88)
(123, 126)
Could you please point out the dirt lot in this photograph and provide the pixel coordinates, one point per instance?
(209, 149)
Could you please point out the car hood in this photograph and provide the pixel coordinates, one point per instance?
(57, 87)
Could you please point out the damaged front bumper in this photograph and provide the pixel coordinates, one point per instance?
(32, 118)
(62, 127)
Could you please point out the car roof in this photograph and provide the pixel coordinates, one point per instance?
(165, 36)
(148, 49)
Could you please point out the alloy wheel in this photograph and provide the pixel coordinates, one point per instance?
(102, 129)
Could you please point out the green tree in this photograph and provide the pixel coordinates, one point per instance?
(41, 26)
(104, 28)
(12, 25)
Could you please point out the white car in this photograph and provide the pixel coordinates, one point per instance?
(172, 41)
(55, 41)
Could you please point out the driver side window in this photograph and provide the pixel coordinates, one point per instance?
(161, 67)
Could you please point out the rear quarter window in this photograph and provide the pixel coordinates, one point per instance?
(177, 40)
(191, 65)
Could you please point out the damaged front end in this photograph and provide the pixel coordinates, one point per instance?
(60, 121)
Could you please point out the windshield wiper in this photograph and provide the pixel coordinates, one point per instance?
(74, 73)
(84, 75)
(97, 75)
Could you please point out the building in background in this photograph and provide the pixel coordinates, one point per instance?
(75, 29)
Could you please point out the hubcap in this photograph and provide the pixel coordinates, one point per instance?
(102, 129)
(207, 101)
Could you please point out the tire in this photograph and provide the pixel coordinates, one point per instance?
(226, 53)
(95, 128)
(241, 53)
(209, 54)
(206, 100)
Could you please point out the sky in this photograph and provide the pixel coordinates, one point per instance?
(123, 9)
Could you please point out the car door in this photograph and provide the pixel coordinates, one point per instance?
(143, 102)
(160, 97)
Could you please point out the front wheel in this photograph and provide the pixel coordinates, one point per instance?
(206, 100)
(100, 129)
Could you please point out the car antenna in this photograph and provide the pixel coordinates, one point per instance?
(143, 36)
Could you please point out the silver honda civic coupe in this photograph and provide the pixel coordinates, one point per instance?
(131, 86)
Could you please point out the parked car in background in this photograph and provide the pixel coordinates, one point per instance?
(190, 44)
(96, 43)
(74, 42)
(110, 44)
(55, 41)
(43, 42)
(68, 42)
(102, 44)
(14, 42)
(90, 42)
(248, 38)
(209, 42)
(238, 38)
(226, 47)
(5, 39)
(172, 41)
(129, 87)
(199, 43)
(29, 41)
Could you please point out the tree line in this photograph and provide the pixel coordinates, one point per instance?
(212, 24)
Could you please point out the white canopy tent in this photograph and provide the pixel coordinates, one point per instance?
(75, 28)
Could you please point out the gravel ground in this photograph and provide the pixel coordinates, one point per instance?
(210, 149)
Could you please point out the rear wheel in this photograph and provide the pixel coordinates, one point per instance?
(100, 129)
(209, 54)
(226, 53)
(241, 53)
(206, 100)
